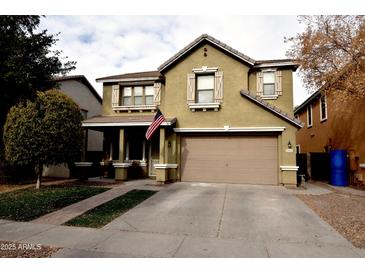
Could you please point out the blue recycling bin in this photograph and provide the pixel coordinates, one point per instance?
(338, 168)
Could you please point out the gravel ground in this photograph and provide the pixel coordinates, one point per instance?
(344, 212)
(21, 250)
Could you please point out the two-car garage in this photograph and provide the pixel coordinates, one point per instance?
(230, 159)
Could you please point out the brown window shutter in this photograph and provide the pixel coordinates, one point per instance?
(278, 82)
(260, 84)
(157, 94)
(190, 95)
(115, 95)
(218, 86)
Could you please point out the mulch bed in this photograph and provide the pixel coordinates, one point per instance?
(23, 250)
(344, 212)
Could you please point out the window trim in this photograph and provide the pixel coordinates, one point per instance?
(325, 107)
(133, 104)
(309, 123)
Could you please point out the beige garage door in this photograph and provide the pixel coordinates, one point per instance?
(245, 160)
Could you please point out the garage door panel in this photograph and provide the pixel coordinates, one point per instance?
(251, 160)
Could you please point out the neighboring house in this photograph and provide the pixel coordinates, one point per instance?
(331, 124)
(229, 118)
(79, 89)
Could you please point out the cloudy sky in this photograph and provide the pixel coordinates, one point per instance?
(108, 45)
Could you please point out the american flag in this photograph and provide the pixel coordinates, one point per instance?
(157, 121)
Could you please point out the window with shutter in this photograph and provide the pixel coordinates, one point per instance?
(115, 95)
(157, 93)
(204, 88)
(260, 81)
(269, 84)
(278, 82)
(137, 98)
(218, 87)
(190, 92)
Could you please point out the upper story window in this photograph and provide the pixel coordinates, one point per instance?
(269, 83)
(323, 108)
(309, 115)
(205, 89)
(129, 98)
(137, 96)
(148, 95)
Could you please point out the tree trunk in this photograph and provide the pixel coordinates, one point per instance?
(39, 176)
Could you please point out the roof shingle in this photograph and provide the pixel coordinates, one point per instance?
(141, 74)
(271, 108)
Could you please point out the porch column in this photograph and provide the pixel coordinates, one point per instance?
(162, 146)
(161, 170)
(121, 145)
(121, 168)
(144, 150)
(111, 151)
(143, 162)
(127, 151)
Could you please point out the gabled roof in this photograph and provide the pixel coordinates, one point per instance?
(246, 59)
(148, 75)
(273, 109)
(83, 80)
(309, 100)
(276, 63)
(212, 40)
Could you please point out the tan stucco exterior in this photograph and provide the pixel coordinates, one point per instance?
(235, 110)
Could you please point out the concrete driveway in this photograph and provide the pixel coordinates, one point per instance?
(198, 220)
(226, 220)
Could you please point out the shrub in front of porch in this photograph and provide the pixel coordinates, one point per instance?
(46, 131)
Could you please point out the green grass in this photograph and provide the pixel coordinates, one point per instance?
(105, 213)
(29, 204)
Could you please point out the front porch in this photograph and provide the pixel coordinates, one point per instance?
(128, 155)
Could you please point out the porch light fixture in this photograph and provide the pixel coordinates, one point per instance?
(289, 145)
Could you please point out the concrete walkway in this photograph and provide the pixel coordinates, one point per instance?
(67, 213)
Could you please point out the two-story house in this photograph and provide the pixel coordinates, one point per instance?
(229, 118)
(331, 123)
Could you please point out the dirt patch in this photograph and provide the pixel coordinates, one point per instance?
(344, 212)
(8, 188)
(23, 250)
(92, 183)
(21, 185)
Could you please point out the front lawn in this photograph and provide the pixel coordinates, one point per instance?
(105, 213)
(29, 204)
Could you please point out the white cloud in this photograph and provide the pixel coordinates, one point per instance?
(107, 45)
